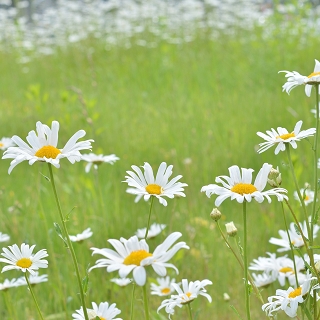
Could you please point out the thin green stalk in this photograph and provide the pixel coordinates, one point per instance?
(70, 246)
(245, 260)
(132, 300)
(148, 225)
(145, 300)
(33, 296)
(189, 311)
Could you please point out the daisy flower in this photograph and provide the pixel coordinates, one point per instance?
(288, 300)
(239, 186)
(34, 279)
(281, 137)
(23, 259)
(133, 255)
(5, 143)
(154, 230)
(296, 239)
(81, 236)
(4, 237)
(263, 280)
(7, 284)
(306, 194)
(121, 282)
(145, 185)
(295, 79)
(43, 147)
(103, 311)
(186, 294)
(164, 286)
(97, 159)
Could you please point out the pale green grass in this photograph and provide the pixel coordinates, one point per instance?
(203, 100)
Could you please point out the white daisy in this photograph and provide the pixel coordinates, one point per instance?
(104, 311)
(44, 147)
(97, 159)
(5, 143)
(186, 294)
(121, 282)
(7, 284)
(281, 137)
(238, 186)
(164, 286)
(34, 279)
(306, 194)
(23, 259)
(153, 231)
(145, 185)
(296, 239)
(133, 255)
(288, 300)
(263, 280)
(4, 237)
(87, 233)
(295, 79)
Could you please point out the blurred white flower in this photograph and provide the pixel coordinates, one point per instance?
(164, 286)
(154, 230)
(87, 233)
(97, 159)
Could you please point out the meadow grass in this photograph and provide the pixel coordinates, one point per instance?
(204, 101)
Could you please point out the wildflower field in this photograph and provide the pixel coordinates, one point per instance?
(196, 105)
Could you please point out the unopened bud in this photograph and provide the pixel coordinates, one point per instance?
(274, 178)
(226, 297)
(231, 229)
(215, 214)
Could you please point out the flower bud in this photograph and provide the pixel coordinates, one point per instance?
(226, 297)
(274, 178)
(231, 229)
(215, 214)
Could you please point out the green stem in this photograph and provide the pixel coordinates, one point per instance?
(189, 311)
(245, 258)
(67, 238)
(145, 299)
(148, 225)
(33, 296)
(132, 301)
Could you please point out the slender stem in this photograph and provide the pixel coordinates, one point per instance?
(146, 305)
(189, 311)
(245, 258)
(148, 225)
(33, 296)
(67, 238)
(132, 299)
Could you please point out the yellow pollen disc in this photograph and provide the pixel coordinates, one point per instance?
(165, 290)
(135, 257)
(101, 318)
(244, 188)
(286, 269)
(1, 144)
(49, 152)
(306, 198)
(286, 136)
(154, 189)
(24, 263)
(313, 74)
(295, 293)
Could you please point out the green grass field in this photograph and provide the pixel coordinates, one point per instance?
(204, 101)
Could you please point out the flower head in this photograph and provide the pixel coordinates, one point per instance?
(98, 159)
(104, 311)
(306, 194)
(133, 255)
(239, 186)
(34, 279)
(4, 237)
(43, 147)
(281, 137)
(154, 230)
(146, 185)
(185, 295)
(5, 143)
(121, 282)
(164, 287)
(295, 79)
(7, 284)
(23, 259)
(87, 233)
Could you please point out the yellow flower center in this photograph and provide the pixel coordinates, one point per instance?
(286, 136)
(295, 293)
(286, 269)
(24, 263)
(244, 188)
(188, 294)
(1, 144)
(154, 189)
(313, 74)
(49, 152)
(306, 198)
(135, 257)
(101, 318)
(165, 290)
